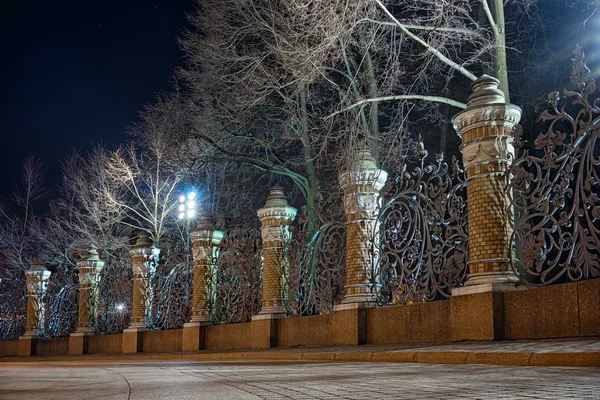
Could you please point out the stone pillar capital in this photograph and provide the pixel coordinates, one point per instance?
(276, 208)
(486, 107)
(38, 270)
(361, 187)
(205, 233)
(91, 264)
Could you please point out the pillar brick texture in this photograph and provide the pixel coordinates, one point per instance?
(361, 187)
(89, 271)
(486, 131)
(36, 278)
(205, 240)
(140, 256)
(275, 218)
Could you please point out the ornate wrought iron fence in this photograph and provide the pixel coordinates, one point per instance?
(13, 306)
(237, 288)
(555, 188)
(315, 262)
(171, 287)
(420, 243)
(114, 291)
(61, 302)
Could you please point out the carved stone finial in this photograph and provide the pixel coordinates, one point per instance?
(37, 264)
(365, 161)
(92, 254)
(205, 223)
(276, 197)
(143, 240)
(485, 91)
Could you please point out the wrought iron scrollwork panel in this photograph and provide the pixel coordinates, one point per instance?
(420, 245)
(114, 294)
(236, 282)
(170, 287)
(61, 302)
(13, 306)
(316, 262)
(555, 188)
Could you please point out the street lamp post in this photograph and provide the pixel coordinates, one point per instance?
(187, 212)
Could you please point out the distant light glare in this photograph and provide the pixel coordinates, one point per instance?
(120, 307)
(187, 206)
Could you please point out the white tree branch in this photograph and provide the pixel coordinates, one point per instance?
(429, 48)
(437, 99)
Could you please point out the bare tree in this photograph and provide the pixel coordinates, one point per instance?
(290, 90)
(143, 188)
(83, 215)
(253, 100)
(17, 245)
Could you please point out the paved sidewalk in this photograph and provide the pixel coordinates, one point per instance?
(302, 380)
(568, 353)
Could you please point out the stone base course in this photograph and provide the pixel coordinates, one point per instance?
(562, 311)
(571, 353)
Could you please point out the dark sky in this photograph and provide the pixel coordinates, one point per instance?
(73, 73)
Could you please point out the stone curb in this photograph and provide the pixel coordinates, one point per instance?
(573, 359)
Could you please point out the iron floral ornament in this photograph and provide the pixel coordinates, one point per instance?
(554, 188)
(236, 289)
(420, 248)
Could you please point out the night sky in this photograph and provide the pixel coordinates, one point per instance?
(74, 73)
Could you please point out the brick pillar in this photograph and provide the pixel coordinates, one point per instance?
(140, 257)
(485, 127)
(361, 187)
(37, 276)
(205, 240)
(89, 270)
(275, 218)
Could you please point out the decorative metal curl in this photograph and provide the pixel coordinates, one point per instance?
(171, 287)
(237, 290)
(13, 306)
(555, 189)
(114, 294)
(61, 302)
(420, 246)
(316, 262)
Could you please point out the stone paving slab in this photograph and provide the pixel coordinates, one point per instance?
(573, 353)
(274, 380)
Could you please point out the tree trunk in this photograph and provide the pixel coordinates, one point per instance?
(309, 158)
(499, 66)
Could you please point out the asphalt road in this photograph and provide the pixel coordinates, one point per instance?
(121, 380)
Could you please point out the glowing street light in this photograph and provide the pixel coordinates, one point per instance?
(187, 206)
